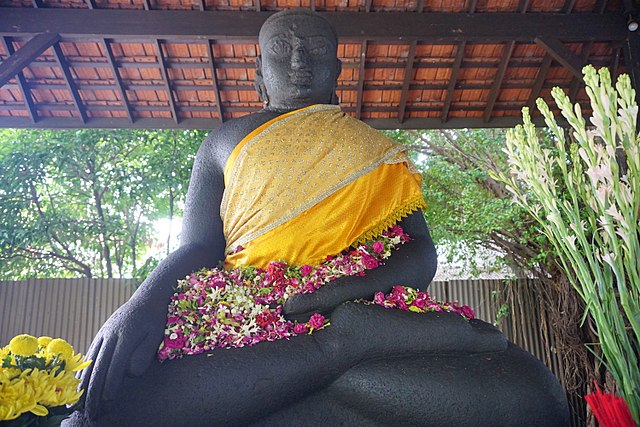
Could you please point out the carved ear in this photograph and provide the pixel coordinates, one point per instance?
(334, 96)
(259, 82)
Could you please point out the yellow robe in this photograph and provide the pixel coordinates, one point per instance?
(312, 183)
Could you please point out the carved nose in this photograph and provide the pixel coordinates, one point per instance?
(299, 58)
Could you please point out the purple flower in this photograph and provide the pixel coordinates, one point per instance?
(370, 261)
(305, 270)
(378, 247)
(316, 321)
(468, 312)
(300, 328)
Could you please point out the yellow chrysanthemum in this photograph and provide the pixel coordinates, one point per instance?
(59, 347)
(4, 352)
(17, 395)
(44, 341)
(23, 345)
(76, 363)
(55, 389)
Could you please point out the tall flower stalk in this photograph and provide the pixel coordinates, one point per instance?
(585, 194)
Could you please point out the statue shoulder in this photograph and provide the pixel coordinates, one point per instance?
(220, 142)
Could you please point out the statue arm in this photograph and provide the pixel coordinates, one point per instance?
(128, 341)
(414, 264)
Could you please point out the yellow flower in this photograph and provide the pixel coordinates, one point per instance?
(44, 341)
(76, 363)
(55, 389)
(23, 345)
(17, 395)
(60, 347)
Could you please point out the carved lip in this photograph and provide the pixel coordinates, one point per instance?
(301, 78)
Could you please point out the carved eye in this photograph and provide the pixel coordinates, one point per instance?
(280, 47)
(318, 50)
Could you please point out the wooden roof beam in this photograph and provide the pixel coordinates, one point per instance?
(23, 87)
(408, 74)
(540, 78)
(360, 88)
(116, 75)
(497, 81)
(157, 123)
(455, 69)
(562, 54)
(165, 77)
(214, 80)
(390, 27)
(26, 55)
(68, 79)
(576, 82)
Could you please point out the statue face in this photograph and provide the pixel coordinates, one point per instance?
(299, 63)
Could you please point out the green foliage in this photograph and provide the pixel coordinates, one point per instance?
(81, 202)
(467, 210)
(585, 195)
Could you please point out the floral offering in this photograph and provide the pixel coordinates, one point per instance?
(37, 380)
(243, 306)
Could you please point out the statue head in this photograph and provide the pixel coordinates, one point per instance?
(298, 65)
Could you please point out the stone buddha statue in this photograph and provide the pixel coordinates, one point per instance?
(318, 181)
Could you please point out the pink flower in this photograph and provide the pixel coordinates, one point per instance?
(305, 270)
(468, 312)
(379, 298)
(370, 261)
(316, 321)
(378, 247)
(300, 328)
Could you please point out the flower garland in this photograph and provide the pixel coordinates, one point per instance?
(234, 308)
(37, 380)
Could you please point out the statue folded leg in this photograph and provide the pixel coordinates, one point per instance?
(239, 386)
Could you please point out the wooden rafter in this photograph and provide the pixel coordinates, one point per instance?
(157, 123)
(167, 82)
(562, 54)
(576, 82)
(190, 25)
(360, 87)
(23, 87)
(568, 5)
(408, 76)
(615, 62)
(540, 78)
(214, 79)
(25, 55)
(444, 116)
(69, 82)
(116, 75)
(497, 82)
(367, 5)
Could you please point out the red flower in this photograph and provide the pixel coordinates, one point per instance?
(266, 318)
(316, 321)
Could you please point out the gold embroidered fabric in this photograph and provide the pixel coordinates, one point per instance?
(311, 183)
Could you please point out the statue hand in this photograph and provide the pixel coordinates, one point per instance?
(324, 300)
(126, 344)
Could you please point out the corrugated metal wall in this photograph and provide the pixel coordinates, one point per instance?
(73, 309)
